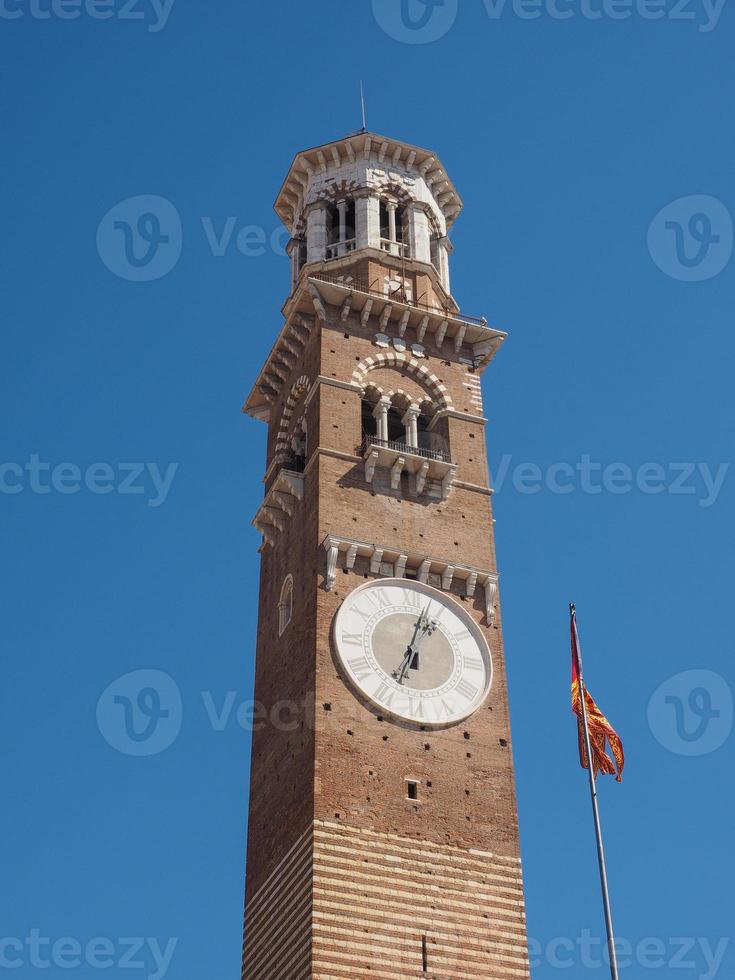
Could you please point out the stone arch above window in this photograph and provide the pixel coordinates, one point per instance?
(285, 605)
(408, 364)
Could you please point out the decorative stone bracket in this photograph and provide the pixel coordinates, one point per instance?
(383, 555)
(399, 458)
(279, 505)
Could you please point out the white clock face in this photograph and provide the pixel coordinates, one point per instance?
(413, 651)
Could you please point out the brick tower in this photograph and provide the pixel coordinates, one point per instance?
(383, 835)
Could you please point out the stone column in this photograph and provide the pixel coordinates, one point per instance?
(444, 263)
(392, 207)
(410, 420)
(381, 416)
(316, 234)
(367, 219)
(342, 208)
(419, 236)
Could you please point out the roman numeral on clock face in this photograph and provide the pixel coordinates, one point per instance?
(380, 598)
(360, 667)
(474, 663)
(385, 694)
(416, 707)
(411, 598)
(467, 690)
(355, 639)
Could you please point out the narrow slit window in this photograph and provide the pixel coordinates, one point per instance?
(412, 789)
(285, 605)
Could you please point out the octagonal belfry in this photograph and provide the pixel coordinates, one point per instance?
(371, 194)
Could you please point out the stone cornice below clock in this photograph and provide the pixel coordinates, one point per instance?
(401, 562)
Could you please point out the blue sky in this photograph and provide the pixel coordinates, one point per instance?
(594, 155)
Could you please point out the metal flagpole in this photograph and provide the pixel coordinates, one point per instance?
(595, 807)
(362, 105)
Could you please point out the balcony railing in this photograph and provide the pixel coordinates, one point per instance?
(395, 248)
(337, 249)
(403, 447)
(363, 286)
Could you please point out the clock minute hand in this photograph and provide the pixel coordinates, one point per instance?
(411, 657)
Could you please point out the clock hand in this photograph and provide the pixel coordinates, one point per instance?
(428, 626)
(411, 652)
(424, 627)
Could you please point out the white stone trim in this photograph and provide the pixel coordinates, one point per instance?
(399, 360)
(297, 389)
(335, 383)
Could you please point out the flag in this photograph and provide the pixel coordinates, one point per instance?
(600, 729)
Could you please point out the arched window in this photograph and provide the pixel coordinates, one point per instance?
(298, 444)
(435, 260)
(340, 228)
(369, 422)
(396, 428)
(299, 253)
(393, 228)
(285, 605)
(422, 428)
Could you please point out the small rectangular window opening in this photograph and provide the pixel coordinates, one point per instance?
(412, 789)
(424, 955)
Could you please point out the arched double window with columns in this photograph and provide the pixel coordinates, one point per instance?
(400, 422)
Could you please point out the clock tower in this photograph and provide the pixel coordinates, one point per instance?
(383, 833)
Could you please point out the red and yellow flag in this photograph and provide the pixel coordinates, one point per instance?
(599, 727)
